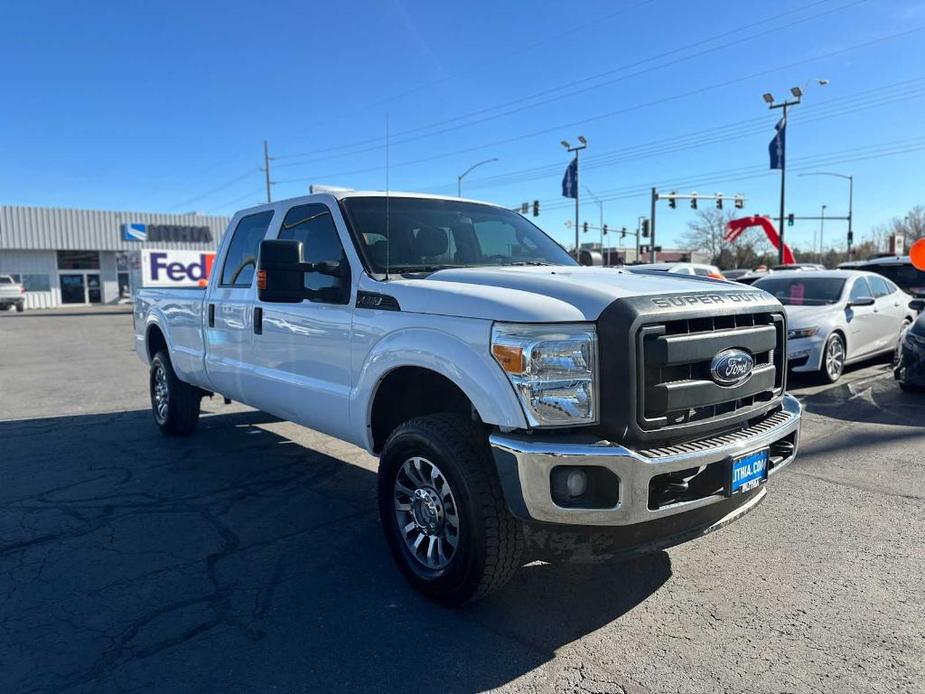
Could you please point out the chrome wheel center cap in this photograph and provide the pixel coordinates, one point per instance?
(427, 510)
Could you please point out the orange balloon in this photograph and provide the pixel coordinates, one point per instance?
(917, 254)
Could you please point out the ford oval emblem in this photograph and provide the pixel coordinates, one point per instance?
(731, 367)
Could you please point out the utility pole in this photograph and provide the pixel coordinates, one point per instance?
(822, 233)
(266, 168)
(576, 150)
(652, 225)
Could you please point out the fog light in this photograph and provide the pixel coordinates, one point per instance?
(576, 483)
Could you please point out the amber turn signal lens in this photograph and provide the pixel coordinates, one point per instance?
(261, 279)
(511, 358)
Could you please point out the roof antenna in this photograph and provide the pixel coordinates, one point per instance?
(388, 235)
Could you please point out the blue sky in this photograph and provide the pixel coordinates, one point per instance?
(164, 106)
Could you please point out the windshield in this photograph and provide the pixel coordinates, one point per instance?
(803, 291)
(428, 235)
(906, 277)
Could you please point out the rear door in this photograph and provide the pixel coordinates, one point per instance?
(889, 315)
(229, 310)
(302, 356)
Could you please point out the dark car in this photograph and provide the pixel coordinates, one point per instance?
(910, 362)
(899, 270)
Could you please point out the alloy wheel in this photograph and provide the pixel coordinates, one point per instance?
(834, 358)
(161, 393)
(426, 511)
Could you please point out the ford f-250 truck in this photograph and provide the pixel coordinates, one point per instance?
(515, 399)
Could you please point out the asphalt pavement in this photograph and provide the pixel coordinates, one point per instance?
(248, 557)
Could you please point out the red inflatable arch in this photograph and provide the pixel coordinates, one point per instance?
(736, 226)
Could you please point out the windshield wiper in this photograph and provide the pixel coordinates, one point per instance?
(526, 262)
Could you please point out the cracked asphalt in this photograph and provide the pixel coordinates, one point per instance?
(248, 558)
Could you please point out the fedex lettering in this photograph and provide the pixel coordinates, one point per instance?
(177, 268)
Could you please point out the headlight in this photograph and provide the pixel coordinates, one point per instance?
(797, 333)
(553, 368)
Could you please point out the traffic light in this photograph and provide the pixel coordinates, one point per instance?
(643, 250)
(719, 201)
(850, 237)
(585, 227)
(790, 219)
(623, 233)
(605, 228)
(645, 228)
(672, 203)
(740, 203)
(657, 249)
(693, 201)
(536, 208)
(524, 207)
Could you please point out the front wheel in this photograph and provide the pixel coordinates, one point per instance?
(833, 358)
(20, 307)
(175, 404)
(443, 513)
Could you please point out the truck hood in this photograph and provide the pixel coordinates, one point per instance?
(537, 294)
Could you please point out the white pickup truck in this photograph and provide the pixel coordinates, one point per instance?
(12, 294)
(518, 402)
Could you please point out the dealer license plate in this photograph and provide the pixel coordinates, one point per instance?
(748, 471)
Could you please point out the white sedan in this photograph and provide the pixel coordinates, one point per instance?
(836, 317)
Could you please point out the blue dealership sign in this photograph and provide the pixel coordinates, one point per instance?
(134, 232)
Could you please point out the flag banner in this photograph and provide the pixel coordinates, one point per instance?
(570, 180)
(777, 147)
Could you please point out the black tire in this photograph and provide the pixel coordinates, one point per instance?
(20, 308)
(180, 412)
(827, 375)
(490, 540)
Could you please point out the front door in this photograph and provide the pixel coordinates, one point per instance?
(94, 289)
(73, 290)
(230, 310)
(302, 355)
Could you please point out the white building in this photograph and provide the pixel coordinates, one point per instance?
(65, 256)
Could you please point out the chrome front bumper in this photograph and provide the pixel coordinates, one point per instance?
(525, 464)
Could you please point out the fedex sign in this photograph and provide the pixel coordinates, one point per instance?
(176, 268)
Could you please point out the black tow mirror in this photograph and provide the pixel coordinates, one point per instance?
(917, 305)
(281, 272)
(861, 301)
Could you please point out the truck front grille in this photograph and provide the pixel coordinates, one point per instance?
(676, 390)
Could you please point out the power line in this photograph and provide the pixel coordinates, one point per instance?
(573, 83)
(545, 131)
(229, 203)
(217, 189)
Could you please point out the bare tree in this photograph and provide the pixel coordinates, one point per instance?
(706, 233)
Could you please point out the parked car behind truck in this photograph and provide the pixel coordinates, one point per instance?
(12, 294)
(509, 393)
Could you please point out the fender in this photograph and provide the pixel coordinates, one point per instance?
(458, 357)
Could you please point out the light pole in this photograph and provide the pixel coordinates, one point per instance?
(822, 233)
(600, 205)
(850, 180)
(784, 105)
(461, 176)
(576, 150)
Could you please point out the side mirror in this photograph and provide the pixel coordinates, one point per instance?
(861, 301)
(917, 305)
(281, 272)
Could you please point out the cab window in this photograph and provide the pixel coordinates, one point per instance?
(314, 226)
(241, 259)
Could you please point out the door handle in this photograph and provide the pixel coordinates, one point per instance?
(211, 315)
(258, 321)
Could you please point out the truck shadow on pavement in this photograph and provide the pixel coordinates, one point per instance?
(238, 560)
